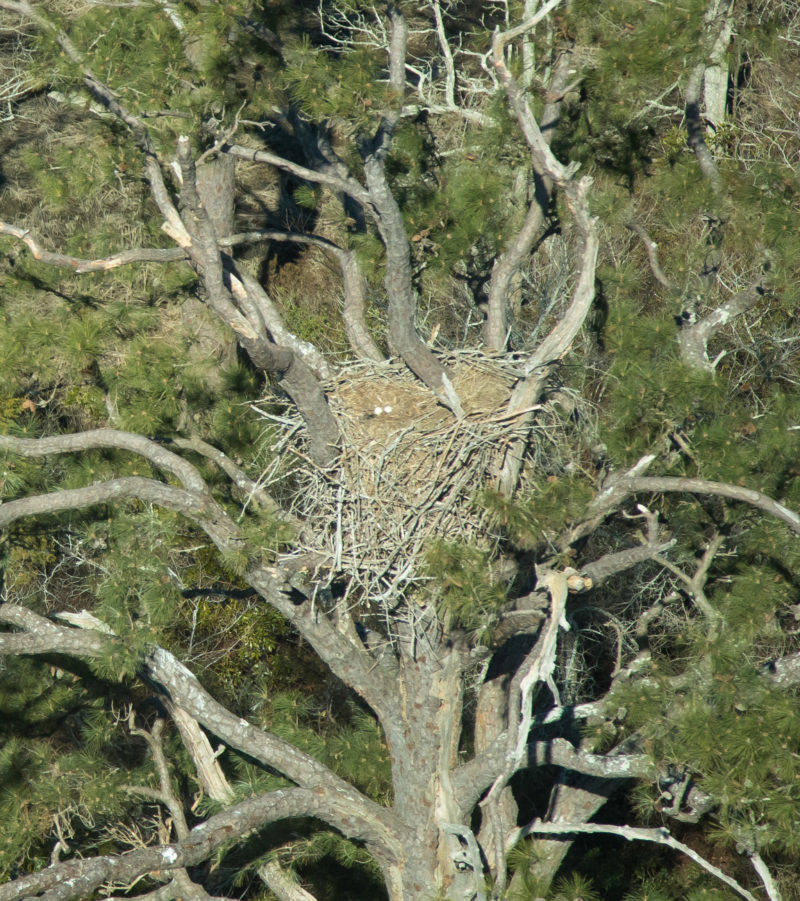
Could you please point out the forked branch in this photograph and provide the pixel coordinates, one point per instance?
(81, 877)
(181, 687)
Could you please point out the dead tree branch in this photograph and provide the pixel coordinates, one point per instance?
(660, 836)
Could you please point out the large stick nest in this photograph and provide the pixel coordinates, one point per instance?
(409, 472)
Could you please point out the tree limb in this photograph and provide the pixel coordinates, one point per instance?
(103, 264)
(651, 249)
(80, 877)
(251, 489)
(538, 666)
(348, 658)
(693, 338)
(615, 494)
(660, 836)
(202, 510)
(347, 185)
(181, 687)
(512, 258)
(403, 337)
(158, 455)
(353, 311)
(556, 344)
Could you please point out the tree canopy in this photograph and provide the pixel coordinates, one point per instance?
(399, 425)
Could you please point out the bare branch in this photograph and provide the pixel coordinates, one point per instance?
(718, 28)
(347, 185)
(189, 477)
(695, 584)
(509, 262)
(502, 38)
(772, 890)
(209, 771)
(609, 565)
(281, 884)
(557, 343)
(538, 666)
(447, 55)
(353, 312)
(80, 877)
(660, 836)
(250, 293)
(103, 264)
(471, 779)
(252, 490)
(203, 510)
(403, 337)
(627, 485)
(154, 739)
(178, 684)
(204, 251)
(651, 249)
(693, 338)
(695, 129)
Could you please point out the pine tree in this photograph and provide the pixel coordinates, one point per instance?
(400, 432)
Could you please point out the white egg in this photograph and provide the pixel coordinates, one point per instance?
(378, 410)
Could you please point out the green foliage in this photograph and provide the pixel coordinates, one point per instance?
(111, 349)
(465, 590)
(640, 49)
(574, 888)
(73, 773)
(534, 514)
(352, 743)
(347, 85)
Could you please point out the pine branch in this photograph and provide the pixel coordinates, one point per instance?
(201, 244)
(353, 313)
(651, 249)
(281, 884)
(205, 255)
(538, 666)
(202, 510)
(252, 490)
(299, 380)
(108, 99)
(695, 129)
(556, 344)
(693, 338)
(347, 657)
(510, 261)
(165, 794)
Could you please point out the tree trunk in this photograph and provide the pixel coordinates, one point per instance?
(216, 185)
(440, 856)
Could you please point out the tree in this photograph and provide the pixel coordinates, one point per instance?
(546, 556)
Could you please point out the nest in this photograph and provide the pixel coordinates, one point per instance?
(409, 472)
